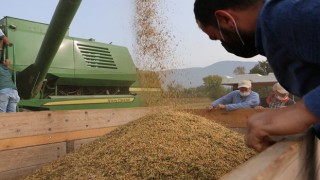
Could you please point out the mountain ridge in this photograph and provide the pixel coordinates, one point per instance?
(192, 77)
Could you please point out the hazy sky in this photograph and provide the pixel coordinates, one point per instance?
(112, 21)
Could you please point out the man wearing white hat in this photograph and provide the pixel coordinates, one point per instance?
(279, 97)
(242, 98)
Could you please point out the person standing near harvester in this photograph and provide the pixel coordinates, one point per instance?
(287, 33)
(9, 97)
(3, 40)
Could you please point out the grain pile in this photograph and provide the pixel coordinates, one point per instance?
(172, 145)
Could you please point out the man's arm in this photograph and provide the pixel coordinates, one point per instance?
(290, 102)
(251, 102)
(4, 38)
(243, 105)
(224, 99)
(276, 122)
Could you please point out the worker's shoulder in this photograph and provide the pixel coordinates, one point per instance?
(255, 93)
(288, 13)
(234, 92)
(290, 102)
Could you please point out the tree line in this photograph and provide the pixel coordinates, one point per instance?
(213, 88)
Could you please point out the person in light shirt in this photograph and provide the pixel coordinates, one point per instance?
(3, 40)
(244, 97)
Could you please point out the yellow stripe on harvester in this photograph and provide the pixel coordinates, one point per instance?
(89, 101)
(144, 89)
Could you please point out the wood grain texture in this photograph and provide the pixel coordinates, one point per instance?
(36, 123)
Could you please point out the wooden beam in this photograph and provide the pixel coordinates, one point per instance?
(79, 143)
(19, 173)
(30, 156)
(46, 122)
(26, 141)
(280, 161)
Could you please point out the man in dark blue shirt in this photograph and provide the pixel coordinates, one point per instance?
(287, 32)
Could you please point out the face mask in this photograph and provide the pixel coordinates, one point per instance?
(244, 94)
(243, 46)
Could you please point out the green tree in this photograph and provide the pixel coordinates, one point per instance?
(239, 70)
(194, 92)
(213, 87)
(262, 68)
(175, 90)
(201, 91)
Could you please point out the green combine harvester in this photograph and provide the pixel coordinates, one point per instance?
(54, 71)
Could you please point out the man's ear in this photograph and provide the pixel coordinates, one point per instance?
(226, 21)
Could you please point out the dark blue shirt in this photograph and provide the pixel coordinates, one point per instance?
(288, 34)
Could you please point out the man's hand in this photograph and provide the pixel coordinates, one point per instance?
(277, 122)
(210, 107)
(256, 137)
(221, 106)
(259, 107)
(6, 41)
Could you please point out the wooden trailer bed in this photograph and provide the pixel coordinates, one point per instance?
(29, 140)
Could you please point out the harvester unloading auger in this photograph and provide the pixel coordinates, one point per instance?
(30, 80)
(57, 72)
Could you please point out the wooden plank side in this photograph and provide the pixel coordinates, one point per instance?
(276, 162)
(288, 170)
(27, 141)
(18, 174)
(31, 156)
(294, 168)
(231, 119)
(36, 123)
(79, 143)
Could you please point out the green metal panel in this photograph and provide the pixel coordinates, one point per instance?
(29, 81)
(27, 38)
(98, 61)
(70, 65)
(77, 64)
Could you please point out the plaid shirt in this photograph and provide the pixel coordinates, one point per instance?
(274, 103)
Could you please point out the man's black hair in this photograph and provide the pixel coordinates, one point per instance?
(204, 9)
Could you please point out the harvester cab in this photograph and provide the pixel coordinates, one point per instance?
(55, 71)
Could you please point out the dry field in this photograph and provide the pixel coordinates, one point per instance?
(193, 103)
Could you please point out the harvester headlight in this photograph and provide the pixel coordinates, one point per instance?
(12, 26)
